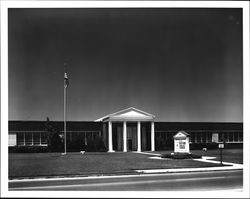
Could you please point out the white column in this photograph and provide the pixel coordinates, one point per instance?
(32, 139)
(110, 137)
(138, 136)
(24, 141)
(124, 136)
(152, 136)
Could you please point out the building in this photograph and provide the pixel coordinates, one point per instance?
(127, 130)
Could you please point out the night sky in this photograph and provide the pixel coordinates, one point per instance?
(178, 64)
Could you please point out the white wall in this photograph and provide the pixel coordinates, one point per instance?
(12, 139)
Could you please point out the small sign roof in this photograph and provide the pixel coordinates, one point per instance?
(181, 134)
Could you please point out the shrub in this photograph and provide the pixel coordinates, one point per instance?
(160, 143)
(56, 144)
(95, 145)
(29, 149)
(180, 156)
(200, 146)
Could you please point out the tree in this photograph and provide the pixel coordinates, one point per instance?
(54, 141)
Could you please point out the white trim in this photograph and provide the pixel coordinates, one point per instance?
(32, 139)
(91, 4)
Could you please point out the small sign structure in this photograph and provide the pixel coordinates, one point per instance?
(221, 146)
(181, 142)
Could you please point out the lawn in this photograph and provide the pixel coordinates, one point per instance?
(54, 164)
(228, 155)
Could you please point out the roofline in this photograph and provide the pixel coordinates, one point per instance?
(155, 121)
(49, 121)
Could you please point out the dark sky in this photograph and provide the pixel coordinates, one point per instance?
(178, 64)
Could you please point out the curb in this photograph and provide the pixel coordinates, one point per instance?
(139, 173)
(184, 170)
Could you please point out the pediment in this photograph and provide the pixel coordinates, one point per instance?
(181, 134)
(130, 114)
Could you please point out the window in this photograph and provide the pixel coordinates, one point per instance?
(43, 138)
(203, 136)
(28, 139)
(198, 137)
(36, 138)
(230, 137)
(226, 137)
(169, 137)
(20, 139)
(240, 137)
(222, 136)
(209, 137)
(192, 137)
(236, 137)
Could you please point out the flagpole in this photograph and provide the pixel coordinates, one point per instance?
(65, 98)
(65, 107)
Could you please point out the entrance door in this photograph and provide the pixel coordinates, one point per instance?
(129, 144)
(132, 137)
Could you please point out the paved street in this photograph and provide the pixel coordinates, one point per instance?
(195, 181)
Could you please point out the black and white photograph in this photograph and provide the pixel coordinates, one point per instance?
(124, 100)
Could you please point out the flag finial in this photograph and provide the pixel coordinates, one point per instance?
(66, 80)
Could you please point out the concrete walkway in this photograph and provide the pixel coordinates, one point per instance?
(230, 166)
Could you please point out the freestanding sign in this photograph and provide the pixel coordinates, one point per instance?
(181, 142)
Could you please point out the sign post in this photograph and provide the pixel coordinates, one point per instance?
(221, 146)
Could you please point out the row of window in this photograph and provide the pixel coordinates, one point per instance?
(199, 137)
(231, 137)
(205, 137)
(31, 138)
(40, 138)
(89, 135)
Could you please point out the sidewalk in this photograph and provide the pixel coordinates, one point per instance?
(228, 166)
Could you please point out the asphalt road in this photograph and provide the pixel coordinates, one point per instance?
(195, 181)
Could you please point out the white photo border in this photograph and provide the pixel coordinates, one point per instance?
(121, 4)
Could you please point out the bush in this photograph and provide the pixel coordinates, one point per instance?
(56, 144)
(95, 145)
(200, 146)
(180, 156)
(28, 149)
(160, 143)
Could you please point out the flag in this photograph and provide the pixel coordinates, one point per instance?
(66, 80)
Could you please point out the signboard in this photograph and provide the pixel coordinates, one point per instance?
(181, 143)
(221, 146)
(215, 137)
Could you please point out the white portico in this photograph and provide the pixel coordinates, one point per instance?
(129, 130)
